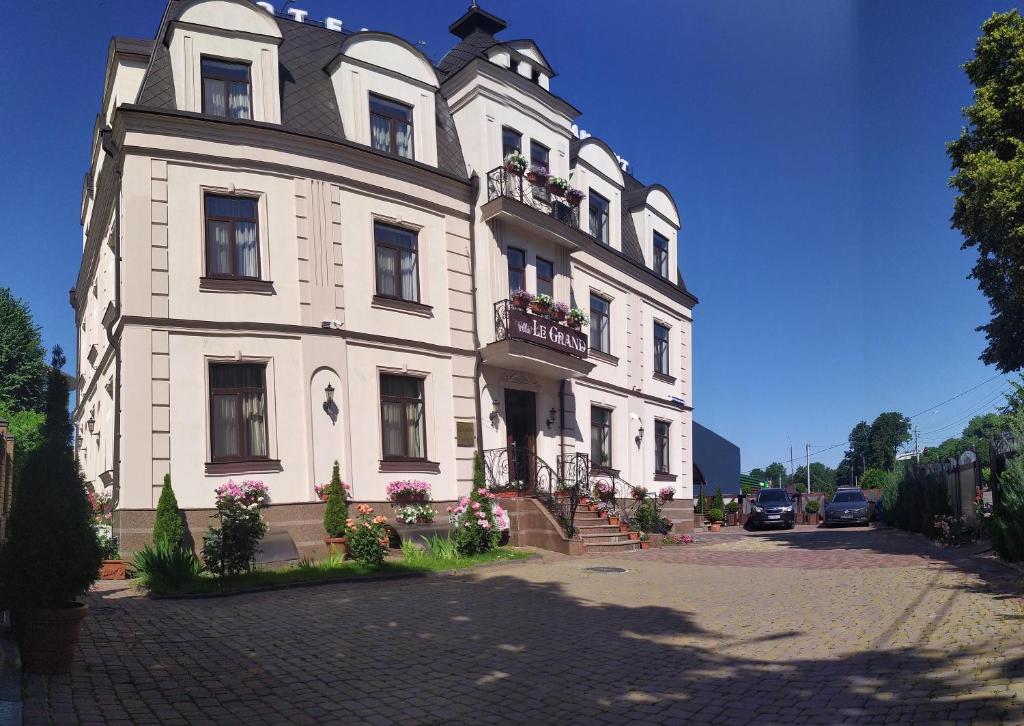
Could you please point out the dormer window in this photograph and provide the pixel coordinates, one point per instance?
(599, 217)
(227, 88)
(661, 254)
(391, 126)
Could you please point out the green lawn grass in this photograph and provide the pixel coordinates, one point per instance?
(326, 570)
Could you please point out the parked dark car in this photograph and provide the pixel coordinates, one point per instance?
(772, 508)
(848, 506)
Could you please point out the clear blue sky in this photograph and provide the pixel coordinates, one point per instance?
(803, 141)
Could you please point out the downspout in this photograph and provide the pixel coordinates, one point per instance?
(474, 182)
(111, 149)
(561, 428)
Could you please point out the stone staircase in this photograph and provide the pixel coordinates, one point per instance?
(600, 537)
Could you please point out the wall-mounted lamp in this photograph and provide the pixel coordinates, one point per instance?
(91, 423)
(493, 415)
(329, 401)
(552, 414)
(640, 435)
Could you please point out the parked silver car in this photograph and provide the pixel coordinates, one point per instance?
(848, 506)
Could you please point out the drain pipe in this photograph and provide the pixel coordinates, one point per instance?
(561, 427)
(474, 182)
(110, 148)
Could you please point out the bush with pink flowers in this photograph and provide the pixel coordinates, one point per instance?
(476, 528)
(408, 490)
(231, 548)
(666, 494)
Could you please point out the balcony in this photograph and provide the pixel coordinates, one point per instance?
(513, 199)
(536, 344)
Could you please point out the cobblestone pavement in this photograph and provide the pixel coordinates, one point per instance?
(826, 627)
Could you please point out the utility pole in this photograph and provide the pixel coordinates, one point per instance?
(917, 444)
(807, 465)
(790, 459)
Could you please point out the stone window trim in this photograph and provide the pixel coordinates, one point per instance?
(241, 466)
(422, 286)
(404, 462)
(385, 302)
(241, 285)
(262, 229)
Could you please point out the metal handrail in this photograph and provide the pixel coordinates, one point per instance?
(502, 183)
(518, 469)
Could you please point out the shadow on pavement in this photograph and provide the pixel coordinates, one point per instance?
(472, 649)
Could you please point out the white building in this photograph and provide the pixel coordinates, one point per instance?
(299, 246)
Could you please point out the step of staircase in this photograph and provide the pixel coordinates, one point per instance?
(603, 547)
(612, 536)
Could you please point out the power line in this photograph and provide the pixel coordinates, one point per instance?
(962, 393)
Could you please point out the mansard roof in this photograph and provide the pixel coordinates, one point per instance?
(308, 101)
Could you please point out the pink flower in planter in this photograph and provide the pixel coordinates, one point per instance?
(476, 505)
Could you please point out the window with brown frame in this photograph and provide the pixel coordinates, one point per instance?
(545, 277)
(540, 155)
(232, 237)
(511, 141)
(600, 324)
(227, 89)
(661, 349)
(397, 260)
(662, 460)
(599, 217)
(600, 436)
(516, 269)
(402, 416)
(391, 126)
(238, 411)
(661, 254)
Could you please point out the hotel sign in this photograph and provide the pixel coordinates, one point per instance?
(550, 334)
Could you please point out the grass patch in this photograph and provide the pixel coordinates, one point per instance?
(331, 568)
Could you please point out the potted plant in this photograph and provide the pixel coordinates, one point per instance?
(634, 535)
(112, 567)
(576, 319)
(408, 491)
(715, 516)
(604, 490)
(336, 520)
(574, 197)
(613, 516)
(507, 490)
(538, 175)
(558, 186)
(811, 509)
(666, 494)
(415, 514)
(52, 555)
(732, 509)
(515, 163)
(645, 541)
(522, 299)
(558, 311)
(639, 493)
(540, 304)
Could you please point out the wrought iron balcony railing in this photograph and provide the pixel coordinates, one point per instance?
(514, 323)
(502, 183)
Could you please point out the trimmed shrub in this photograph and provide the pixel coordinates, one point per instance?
(169, 525)
(812, 506)
(719, 503)
(874, 479)
(52, 554)
(368, 539)
(1008, 516)
(336, 511)
(715, 515)
(165, 568)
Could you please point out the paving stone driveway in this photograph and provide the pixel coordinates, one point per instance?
(849, 626)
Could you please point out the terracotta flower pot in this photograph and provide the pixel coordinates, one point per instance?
(507, 494)
(538, 180)
(48, 637)
(715, 527)
(645, 545)
(539, 308)
(603, 515)
(623, 527)
(634, 536)
(556, 190)
(113, 570)
(521, 301)
(337, 545)
(514, 169)
(614, 521)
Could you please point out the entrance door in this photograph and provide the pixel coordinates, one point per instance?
(521, 427)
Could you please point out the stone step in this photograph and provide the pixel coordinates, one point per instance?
(607, 537)
(584, 528)
(612, 546)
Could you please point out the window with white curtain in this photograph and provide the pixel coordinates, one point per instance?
(402, 415)
(238, 411)
(390, 126)
(600, 436)
(232, 237)
(397, 264)
(227, 88)
(600, 324)
(661, 349)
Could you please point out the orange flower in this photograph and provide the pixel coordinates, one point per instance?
(349, 523)
(379, 519)
(365, 509)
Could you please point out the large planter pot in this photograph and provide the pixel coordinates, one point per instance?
(714, 526)
(514, 169)
(113, 570)
(731, 519)
(337, 545)
(48, 637)
(623, 527)
(507, 495)
(538, 180)
(408, 499)
(614, 521)
(634, 536)
(538, 308)
(645, 545)
(811, 517)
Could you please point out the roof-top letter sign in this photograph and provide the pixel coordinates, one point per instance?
(300, 16)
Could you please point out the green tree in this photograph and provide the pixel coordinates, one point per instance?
(22, 357)
(27, 429)
(822, 476)
(859, 443)
(889, 431)
(169, 525)
(52, 555)
(719, 502)
(874, 479)
(1015, 398)
(988, 165)
(1008, 515)
(953, 446)
(336, 511)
